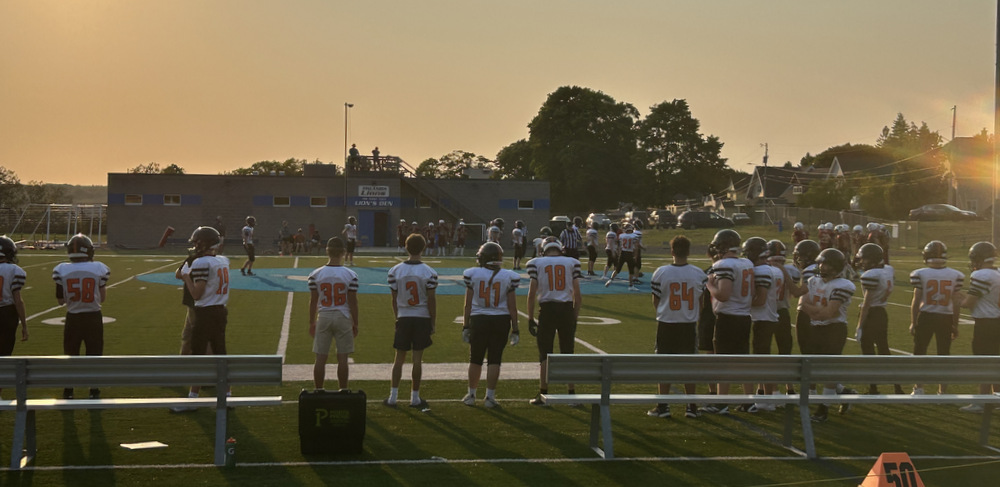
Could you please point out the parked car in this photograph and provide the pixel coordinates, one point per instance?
(941, 212)
(662, 219)
(602, 220)
(637, 215)
(703, 219)
(741, 219)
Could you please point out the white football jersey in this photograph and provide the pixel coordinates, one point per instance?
(629, 242)
(81, 283)
(985, 285)
(638, 239)
(611, 241)
(494, 234)
(214, 270)
(807, 274)
(555, 275)
(773, 280)
(878, 282)
(248, 235)
(12, 279)
(411, 281)
(591, 237)
(679, 288)
(822, 292)
(937, 287)
(489, 290)
(795, 275)
(333, 283)
(351, 231)
(740, 272)
(517, 236)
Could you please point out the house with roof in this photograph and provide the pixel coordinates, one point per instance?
(779, 186)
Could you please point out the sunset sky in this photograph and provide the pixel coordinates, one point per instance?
(91, 87)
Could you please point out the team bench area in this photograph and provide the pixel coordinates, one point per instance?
(24, 374)
(802, 370)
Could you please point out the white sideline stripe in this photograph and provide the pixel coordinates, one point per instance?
(576, 339)
(440, 460)
(41, 313)
(286, 321)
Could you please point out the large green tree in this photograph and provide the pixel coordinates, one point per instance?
(12, 194)
(514, 161)
(291, 167)
(676, 158)
(583, 142)
(453, 165)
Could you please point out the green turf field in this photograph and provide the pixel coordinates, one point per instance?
(518, 444)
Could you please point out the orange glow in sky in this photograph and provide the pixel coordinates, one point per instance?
(88, 88)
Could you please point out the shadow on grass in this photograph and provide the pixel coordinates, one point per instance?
(97, 452)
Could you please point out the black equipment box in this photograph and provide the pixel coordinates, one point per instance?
(332, 421)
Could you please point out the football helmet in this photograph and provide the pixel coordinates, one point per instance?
(498, 222)
(351, 220)
(871, 256)
(828, 226)
(551, 243)
(251, 221)
(519, 224)
(80, 248)
(805, 253)
(204, 239)
(776, 250)
(490, 255)
(8, 249)
(981, 254)
(798, 226)
(830, 263)
(726, 241)
(820, 227)
(935, 252)
(754, 249)
(858, 229)
(430, 224)
(629, 228)
(638, 224)
(872, 226)
(614, 227)
(546, 231)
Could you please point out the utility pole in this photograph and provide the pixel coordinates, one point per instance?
(347, 106)
(996, 124)
(953, 198)
(763, 178)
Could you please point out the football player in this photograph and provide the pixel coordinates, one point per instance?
(769, 282)
(490, 314)
(591, 239)
(629, 244)
(789, 274)
(933, 312)
(804, 255)
(81, 286)
(402, 230)
(350, 233)
(496, 229)
(611, 249)
(333, 313)
(873, 323)
(799, 233)
(430, 236)
(730, 282)
(555, 285)
(706, 318)
(825, 303)
(12, 278)
(518, 239)
(460, 232)
(826, 236)
(982, 299)
(677, 291)
(414, 304)
(639, 247)
(247, 268)
(570, 238)
(207, 279)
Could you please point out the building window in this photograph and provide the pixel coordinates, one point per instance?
(133, 199)
(423, 202)
(797, 189)
(172, 199)
(525, 204)
(317, 201)
(282, 201)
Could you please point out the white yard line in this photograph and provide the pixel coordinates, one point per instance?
(577, 339)
(286, 321)
(41, 313)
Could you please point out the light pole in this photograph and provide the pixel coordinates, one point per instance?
(347, 106)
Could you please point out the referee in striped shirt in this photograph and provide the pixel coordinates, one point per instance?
(570, 238)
